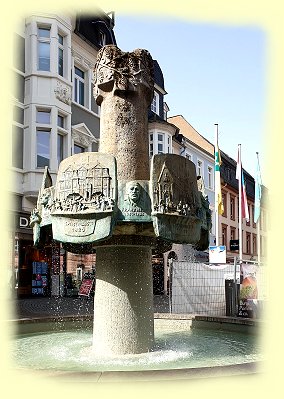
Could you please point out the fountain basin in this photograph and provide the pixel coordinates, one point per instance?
(185, 347)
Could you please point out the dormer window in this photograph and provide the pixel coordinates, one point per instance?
(155, 103)
(102, 38)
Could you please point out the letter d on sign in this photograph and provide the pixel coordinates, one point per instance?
(24, 222)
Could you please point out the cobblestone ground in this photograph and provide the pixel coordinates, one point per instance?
(39, 307)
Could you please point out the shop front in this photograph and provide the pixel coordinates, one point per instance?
(48, 270)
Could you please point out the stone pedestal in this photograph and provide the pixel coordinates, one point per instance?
(123, 303)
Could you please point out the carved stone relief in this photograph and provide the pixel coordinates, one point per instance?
(122, 70)
(176, 201)
(63, 93)
(82, 138)
(134, 201)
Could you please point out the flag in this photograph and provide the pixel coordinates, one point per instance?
(218, 163)
(257, 192)
(245, 210)
(242, 194)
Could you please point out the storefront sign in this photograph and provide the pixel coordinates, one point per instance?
(234, 245)
(22, 221)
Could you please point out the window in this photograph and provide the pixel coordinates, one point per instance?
(210, 178)
(60, 55)
(61, 121)
(224, 234)
(151, 145)
(232, 207)
(169, 144)
(102, 38)
(252, 216)
(254, 245)
(155, 103)
(60, 149)
(43, 147)
(61, 133)
(160, 143)
(199, 168)
(43, 116)
(43, 49)
(79, 85)
(233, 233)
(248, 223)
(248, 248)
(78, 149)
(224, 199)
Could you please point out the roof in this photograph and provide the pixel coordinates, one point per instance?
(190, 133)
(89, 26)
(158, 75)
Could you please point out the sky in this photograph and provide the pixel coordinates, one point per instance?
(212, 73)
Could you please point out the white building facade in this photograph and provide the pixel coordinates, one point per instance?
(54, 116)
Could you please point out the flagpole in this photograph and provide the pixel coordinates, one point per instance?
(240, 205)
(216, 191)
(258, 241)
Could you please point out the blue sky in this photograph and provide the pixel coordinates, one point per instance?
(213, 74)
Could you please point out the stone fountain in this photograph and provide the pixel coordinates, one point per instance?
(113, 203)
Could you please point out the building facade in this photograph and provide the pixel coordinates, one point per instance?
(253, 235)
(54, 116)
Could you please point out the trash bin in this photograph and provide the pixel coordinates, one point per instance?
(231, 296)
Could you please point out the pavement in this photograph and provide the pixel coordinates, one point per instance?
(68, 306)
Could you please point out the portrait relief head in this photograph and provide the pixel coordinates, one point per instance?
(133, 192)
